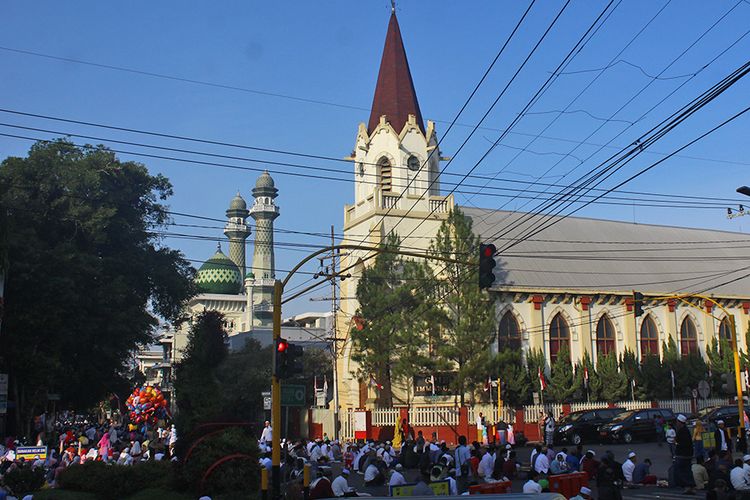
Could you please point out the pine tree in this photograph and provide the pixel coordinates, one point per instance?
(514, 376)
(535, 362)
(614, 384)
(632, 369)
(561, 386)
(467, 316)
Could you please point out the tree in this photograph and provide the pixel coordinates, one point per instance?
(535, 363)
(655, 378)
(630, 367)
(562, 385)
(467, 315)
(243, 376)
(197, 388)
(613, 383)
(391, 299)
(514, 376)
(87, 275)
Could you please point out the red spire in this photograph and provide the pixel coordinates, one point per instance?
(395, 96)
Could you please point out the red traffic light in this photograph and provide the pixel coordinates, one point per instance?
(489, 250)
(282, 345)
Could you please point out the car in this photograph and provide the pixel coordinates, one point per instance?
(635, 424)
(583, 426)
(711, 414)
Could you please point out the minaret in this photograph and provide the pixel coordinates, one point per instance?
(237, 231)
(264, 211)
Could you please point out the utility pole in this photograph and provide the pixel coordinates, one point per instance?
(334, 345)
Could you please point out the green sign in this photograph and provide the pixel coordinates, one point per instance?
(292, 395)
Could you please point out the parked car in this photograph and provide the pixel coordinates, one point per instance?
(635, 424)
(583, 426)
(711, 414)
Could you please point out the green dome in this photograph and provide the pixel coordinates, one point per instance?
(219, 275)
(264, 181)
(238, 203)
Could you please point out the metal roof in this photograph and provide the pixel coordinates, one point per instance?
(611, 256)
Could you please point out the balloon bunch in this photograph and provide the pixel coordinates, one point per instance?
(146, 405)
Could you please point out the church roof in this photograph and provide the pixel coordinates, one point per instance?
(395, 96)
(587, 255)
(219, 274)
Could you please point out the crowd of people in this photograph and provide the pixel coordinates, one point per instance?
(71, 439)
(419, 462)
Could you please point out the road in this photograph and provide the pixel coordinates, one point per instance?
(659, 455)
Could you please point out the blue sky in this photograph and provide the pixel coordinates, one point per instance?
(329, 53)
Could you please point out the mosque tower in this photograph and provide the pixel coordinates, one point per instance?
(264, 211)
(237, 231)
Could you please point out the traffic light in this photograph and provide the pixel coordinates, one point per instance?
(637, 304)
(287, 359)
(728, 383)
(486, 264)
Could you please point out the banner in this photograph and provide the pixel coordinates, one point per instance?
(31, 452)
(441, 488)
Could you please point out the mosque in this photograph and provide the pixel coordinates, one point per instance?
(571, 286)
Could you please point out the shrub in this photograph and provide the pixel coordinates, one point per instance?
(23, 480)
(233, 476)
(114, 482)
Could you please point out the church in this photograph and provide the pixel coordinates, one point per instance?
(570, 286)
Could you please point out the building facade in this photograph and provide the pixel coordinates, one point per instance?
(572, 286)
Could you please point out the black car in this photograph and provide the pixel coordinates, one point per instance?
(710, 415)
(635, 424)
(580, 426)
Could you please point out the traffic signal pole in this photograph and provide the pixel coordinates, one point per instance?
(276, 400)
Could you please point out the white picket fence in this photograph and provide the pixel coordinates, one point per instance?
(435, 416)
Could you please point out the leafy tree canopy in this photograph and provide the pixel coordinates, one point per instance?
(88, 277)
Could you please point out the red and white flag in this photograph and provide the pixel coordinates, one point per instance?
(671, 373)
(488, 384)
(432, 383)
(542, 382)
(586, 376)
(315, 384)
(374, 383)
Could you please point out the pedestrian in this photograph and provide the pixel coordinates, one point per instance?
(549, 428)
(531, 486)
(722, 440)
(397, 478)
(584, 494)
(463, 467)
(589, 464)
(683, 456)
(340, 485)
(104, 447)
(642, 473)
(321, 487)
(481, 433)
(629, 466)
(671, 435)
(607, 479)
(698, 439)
(559, 465)
(738, 478)
(510, 466)
(700, 474)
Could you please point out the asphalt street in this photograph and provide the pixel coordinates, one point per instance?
(659, 455)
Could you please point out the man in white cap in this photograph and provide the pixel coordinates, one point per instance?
(340, 485)
(738, 476)
(683, 456)
(397, 478)
(584, 494)
(628, 467)
(721, 438)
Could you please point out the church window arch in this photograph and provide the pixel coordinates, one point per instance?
(605, 336)
(508, 333)
(725, 330)
(688, 337)
(649, 337)
(559, 336)
(385, 174)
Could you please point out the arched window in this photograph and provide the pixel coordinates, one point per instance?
(605, 336)
(385, 171)
(508, 333)
(649, 338)
(725, 330)
(688, 337)
(559, 336)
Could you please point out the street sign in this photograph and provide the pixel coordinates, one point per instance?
(704, 389)
(31, 452)
(292, 395)
(266, 400)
